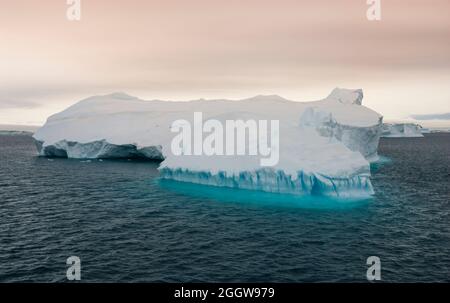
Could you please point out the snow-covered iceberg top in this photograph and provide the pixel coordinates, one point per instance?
(324, 145)
(402, 130)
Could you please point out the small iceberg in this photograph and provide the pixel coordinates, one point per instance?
(402, 130)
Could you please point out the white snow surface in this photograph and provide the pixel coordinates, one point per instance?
(325, 145)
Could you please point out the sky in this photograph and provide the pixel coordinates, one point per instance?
(182, 50)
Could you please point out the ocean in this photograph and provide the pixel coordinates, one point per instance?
(126, 225)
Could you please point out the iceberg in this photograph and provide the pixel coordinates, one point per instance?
(402, 130)
(425, 130)
(15, 133)
(325, 146)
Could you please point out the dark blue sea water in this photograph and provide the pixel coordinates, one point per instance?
(126, 226)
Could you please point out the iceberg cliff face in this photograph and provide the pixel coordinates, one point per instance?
(363, 139)
(269, 180)
(99, 150)
(401, 130)
(324, 145)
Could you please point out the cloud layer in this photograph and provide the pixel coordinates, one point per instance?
(209, 48)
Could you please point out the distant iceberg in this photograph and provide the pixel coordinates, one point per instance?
(402, 130)
(15, 133)
(325, 146)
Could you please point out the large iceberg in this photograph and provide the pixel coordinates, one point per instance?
(325, 146)
(402, 130)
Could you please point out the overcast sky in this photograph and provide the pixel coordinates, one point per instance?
(195, 49)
